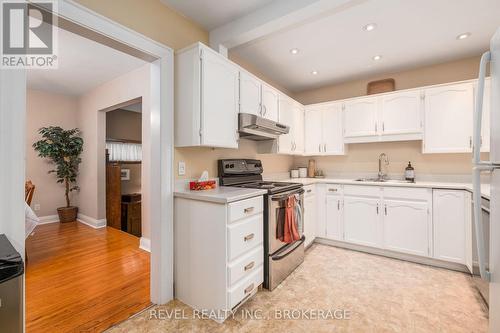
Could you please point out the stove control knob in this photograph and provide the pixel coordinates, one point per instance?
(227, 166)
(231, 166)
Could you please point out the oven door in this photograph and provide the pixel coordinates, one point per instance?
(277, 205)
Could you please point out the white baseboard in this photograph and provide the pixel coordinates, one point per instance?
(91, 222)
(145, 244)
(48, 219)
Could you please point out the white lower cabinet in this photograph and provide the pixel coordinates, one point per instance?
(334, 208)
(310, 216)
(218, 254)
(452, 223)
(362, 220)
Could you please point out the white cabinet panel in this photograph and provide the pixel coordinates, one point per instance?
(449, 219)
(298, 129)
(401, 113)
(270, 98)
(361, 117)
(249, 94)
(309, 218)
(334, 225)
(448, 119)
(313, 132)
(333, 136)
(286, 117)
(219, 124)
(406, 226)
(362, 220)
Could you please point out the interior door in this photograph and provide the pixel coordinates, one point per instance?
(249, 94)
(362, 220)
(406, 226)
(113, 196)
(270, 97)
(219, 108)
(448, 119)
(286, 117)
(361, 117)
(313, 132)
(333, 136)
(334, 217)
(401, 113)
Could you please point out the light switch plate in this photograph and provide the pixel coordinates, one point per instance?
(182, 168)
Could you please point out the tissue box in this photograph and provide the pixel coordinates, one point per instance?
(200, 186)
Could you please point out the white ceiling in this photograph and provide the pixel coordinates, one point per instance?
(83, 65)
(214, 13)
(408, 34)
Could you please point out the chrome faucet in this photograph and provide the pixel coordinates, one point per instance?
(382, 156)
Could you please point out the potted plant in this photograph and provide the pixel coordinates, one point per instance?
(63, 148)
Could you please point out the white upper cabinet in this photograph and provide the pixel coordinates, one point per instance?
(291, 114)
(270, 97)
(298, 128)
(206, 99)
(361, 117)
(250, 90)
(324, 130)
(401, 113)
(448, 119)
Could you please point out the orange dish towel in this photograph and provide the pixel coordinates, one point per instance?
(291, 233)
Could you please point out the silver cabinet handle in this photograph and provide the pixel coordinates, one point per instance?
(249, 237)
(249, 288)
(385, 209)
(319, 147)
(265, 109)
(470, 141)
(249, 266)
(248, 210)
(260, 109)
(383, 126)
(338, 204)
(309, 191)
(324, 147)
(332, 189)
(377, 209)
(376, 127)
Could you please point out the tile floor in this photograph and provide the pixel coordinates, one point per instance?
(378, 294)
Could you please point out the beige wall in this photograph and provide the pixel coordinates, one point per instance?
(47, 109)
(363, 158)
(126, 125)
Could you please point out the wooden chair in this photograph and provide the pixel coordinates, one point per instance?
(29, 189)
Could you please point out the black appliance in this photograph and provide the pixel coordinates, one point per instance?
(280, 259)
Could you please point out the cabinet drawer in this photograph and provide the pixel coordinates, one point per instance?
(244, 236)
(245, 266)
(245, 287)
(333, 188)
(240, 209)
(309, 190)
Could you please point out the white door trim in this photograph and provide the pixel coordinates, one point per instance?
(12, 144)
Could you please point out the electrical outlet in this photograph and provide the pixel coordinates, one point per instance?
(37, 207)
(182, 168)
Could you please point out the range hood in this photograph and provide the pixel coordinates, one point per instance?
(256, 128)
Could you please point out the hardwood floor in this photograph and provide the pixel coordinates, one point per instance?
(80, 279)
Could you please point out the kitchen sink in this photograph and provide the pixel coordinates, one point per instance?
(383, 180)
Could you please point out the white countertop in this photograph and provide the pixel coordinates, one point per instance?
(221, 194)
(485, 188)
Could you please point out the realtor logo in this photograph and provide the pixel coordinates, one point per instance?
(28, 34)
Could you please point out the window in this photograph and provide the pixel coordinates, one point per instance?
(124, 151)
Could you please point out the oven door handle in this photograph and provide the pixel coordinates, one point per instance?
(285, 195)
(288, 249)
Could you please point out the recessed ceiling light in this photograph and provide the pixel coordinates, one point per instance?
(463, 36)
(294, 51)
(377, 57)
(369, 27)
(314, 72)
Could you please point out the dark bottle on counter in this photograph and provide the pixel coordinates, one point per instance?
(410, 173)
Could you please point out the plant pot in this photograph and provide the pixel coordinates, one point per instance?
(67, 214)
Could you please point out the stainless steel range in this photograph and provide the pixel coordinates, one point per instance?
(280, 258)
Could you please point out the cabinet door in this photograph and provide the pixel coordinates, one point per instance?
(286, 117)
(362, 220)
(448, 119)
(361, 117)
(219, 109)
(401, 113)
(313, 132)
(449, 221)
(334, 228)
(485, 130)
(298, 129)
(270, 97)
(333, 136)
(249, 94)
(309, 218)
(406, 226)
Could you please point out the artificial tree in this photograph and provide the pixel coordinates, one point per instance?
(63, 149)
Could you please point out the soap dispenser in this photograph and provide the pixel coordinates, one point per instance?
(410, 173)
